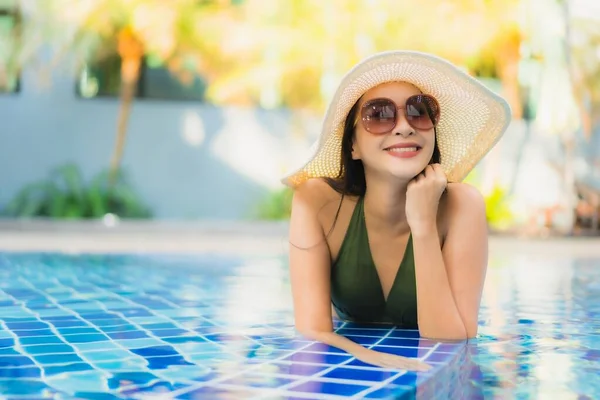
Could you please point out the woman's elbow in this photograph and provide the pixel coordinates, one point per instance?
(450, 334)
(311, 332)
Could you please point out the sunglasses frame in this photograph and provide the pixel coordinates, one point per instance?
(434, 117)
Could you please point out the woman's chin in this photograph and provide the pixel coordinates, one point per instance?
(407, 171)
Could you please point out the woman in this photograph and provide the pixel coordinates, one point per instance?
(381, 227)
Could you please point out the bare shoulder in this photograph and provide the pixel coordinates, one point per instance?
(462, 203)
(462, 197)
(313, 195)
(312, 203)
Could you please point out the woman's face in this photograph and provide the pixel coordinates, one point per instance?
(404, 151)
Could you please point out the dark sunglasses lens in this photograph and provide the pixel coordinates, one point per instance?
(422, 112)
(379, 116)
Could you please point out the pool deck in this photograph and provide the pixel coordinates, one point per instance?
(226, 237)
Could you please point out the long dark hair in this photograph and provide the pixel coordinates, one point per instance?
(351, 176)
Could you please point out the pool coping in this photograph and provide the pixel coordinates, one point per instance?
(224, 237)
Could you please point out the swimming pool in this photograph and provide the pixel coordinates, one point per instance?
(214, 327)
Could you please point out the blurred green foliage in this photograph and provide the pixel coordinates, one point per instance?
(65, 195)
(498, 211)
(497, 203)
(276, 205)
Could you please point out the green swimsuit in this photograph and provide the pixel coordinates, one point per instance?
(356, 291)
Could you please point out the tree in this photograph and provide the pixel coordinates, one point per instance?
(294, 52)
(172, 32)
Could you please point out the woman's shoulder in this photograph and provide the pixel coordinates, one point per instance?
(464, 196)
(315, 193)
(461, 198)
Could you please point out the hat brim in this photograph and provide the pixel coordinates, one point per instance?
(472, 120)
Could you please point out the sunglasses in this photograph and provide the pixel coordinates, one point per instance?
(379, 115)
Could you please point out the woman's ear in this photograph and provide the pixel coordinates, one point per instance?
(355, 152)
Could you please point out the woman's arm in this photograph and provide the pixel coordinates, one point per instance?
(450, 281)
(310, 268)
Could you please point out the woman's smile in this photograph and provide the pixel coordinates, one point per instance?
(403, 150)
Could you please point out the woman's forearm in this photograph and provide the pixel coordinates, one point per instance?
(335, 340)
(438, 315)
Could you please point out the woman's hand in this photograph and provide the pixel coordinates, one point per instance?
(392, 361)
(423, 197)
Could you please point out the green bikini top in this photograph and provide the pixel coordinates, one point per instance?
(356, 291)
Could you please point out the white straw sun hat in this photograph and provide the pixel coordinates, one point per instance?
(472, 120)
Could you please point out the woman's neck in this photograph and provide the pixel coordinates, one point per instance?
(385, 205)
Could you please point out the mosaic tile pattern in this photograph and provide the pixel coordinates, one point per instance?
(210, 327)
(115, 327)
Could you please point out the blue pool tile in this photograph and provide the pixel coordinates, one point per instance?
(197, 324)
(26, 325)
(119, 328)
(407, 342)
(14, 373)
(120, 379)
(98, 356)
(7, 343)
(86, 338)
(169, 332)
(109, 322)
(73, 367)
(282, 368)
(96, 396)
(130, 364)
(258, 380)
(357, 363)
(37, 332)
(217, 393)
(25, 387)
(440, 357)
(69, 323)
(160, 325)
(219, 337)
(286, 344)
(165, 362)
(153, 304)
(136, 312)
(77, 331)
(138, 343)
(68, 318)
(364, 340)
(155, 351)
(338, 389)
(382, 329)
(184, 339)
(361, 332)
(58, 359)
(21, 319)
(22, 293)
(8, 351)
(101, 316)
(157, 388)
(38, 340)
(49, 349)
(317, 358)
(360, 374)
(592, 355)
(404, 333)
(393, 392)
(127, 335)
(410, 378)
(450, 347)
(402, 351)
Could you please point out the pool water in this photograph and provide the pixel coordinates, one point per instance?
(213, 327)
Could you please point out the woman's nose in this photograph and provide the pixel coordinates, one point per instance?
(402, 127)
